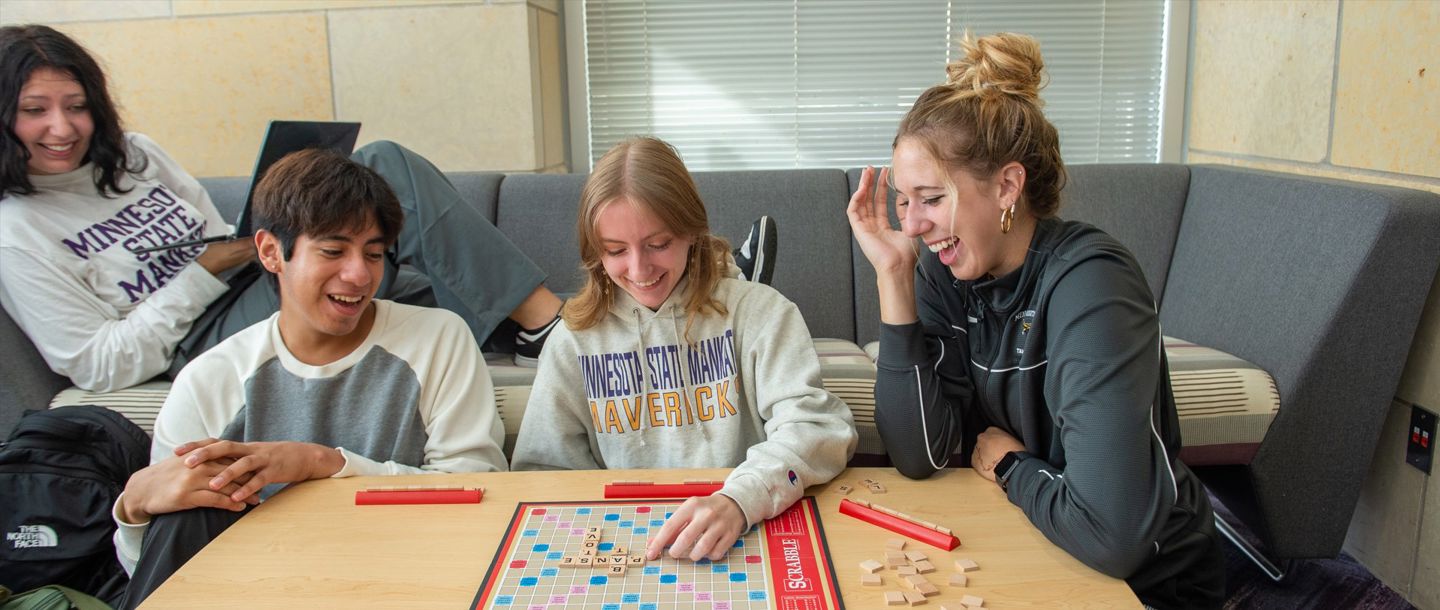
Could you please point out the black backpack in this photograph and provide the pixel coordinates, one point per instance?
(60, 473)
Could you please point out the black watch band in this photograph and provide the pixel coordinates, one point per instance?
(1006, 467)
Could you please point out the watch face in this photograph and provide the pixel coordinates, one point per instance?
(1005, 468)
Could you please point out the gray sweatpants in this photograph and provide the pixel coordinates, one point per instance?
(454, 258)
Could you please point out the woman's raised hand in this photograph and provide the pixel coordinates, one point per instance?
(888, 250)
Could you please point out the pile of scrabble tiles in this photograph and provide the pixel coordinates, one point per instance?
(910, 570)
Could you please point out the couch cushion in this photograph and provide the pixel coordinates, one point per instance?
(512, 393)
(138, 404)
(849, 374)
(1224, 403)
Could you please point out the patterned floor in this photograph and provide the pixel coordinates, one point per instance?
(1320, 583)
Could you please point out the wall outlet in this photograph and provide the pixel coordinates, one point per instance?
(1420, 446)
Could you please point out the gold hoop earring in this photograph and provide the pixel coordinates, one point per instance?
(1007, 218)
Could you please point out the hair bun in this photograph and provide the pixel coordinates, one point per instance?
(1000, 63)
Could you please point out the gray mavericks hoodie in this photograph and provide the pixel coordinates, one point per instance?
(741, 390)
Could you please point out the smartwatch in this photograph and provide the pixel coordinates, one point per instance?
(1006, 467)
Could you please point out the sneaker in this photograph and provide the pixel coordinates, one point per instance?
(756, 255)
(528, 344)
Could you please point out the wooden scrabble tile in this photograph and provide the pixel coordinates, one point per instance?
(616, 570)
(944, 530)
(871, 580)
(844, 490)
(966, 565)
(895, 562)
(971, 600)
(620, 550)
(862, 503)
(585, 561)
(958, 580)
(906, 570)
(601, 561)
(915, 556)
(567, 561)
(871, 566)
(914, 599)
(894, 598)
(637, 560)
(927, 589)
(877, 489)
(592, 530)
(912, 580)
(951, 606)
(895, 544)
(924, 567)
(589, 538)
(868, 482)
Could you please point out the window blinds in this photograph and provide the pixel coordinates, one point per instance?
(770, 84)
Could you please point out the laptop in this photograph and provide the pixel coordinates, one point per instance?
(282, 138)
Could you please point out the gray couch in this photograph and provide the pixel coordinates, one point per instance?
(1318, 282)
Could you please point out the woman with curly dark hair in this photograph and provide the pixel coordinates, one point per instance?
(80, 195)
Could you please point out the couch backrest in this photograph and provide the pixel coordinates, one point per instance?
(867, 296)
(26, 382)
(1138, 204)
(479, 188)
(538, 213)
(1321, 283)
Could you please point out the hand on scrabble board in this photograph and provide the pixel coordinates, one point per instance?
(704, 527)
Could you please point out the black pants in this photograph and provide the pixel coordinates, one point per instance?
(172, 540)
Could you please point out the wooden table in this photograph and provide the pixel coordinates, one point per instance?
(310, 546)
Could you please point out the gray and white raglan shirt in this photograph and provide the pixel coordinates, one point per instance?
(414, 398)
(1065, 354)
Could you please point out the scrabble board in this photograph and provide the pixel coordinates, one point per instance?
(780, 564)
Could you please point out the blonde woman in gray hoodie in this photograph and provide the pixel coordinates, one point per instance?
(666, 360)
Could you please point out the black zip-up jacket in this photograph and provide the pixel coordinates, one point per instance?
(1065, 354)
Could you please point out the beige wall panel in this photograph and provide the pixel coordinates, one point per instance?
(1387, 116)
(1421, 382)
(1382, 532)
(1262, 78)
(205, 88)
(53, 11)
(230, 7)
(1426, 591)
(552, 96)
(471, 110)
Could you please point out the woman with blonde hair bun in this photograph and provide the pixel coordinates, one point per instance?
(667, 360)
(1029, 344)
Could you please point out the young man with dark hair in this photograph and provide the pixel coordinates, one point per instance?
(336, 384)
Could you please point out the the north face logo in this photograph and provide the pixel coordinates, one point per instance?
(32, 536)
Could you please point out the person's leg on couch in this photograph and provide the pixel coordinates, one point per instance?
(474, 269)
